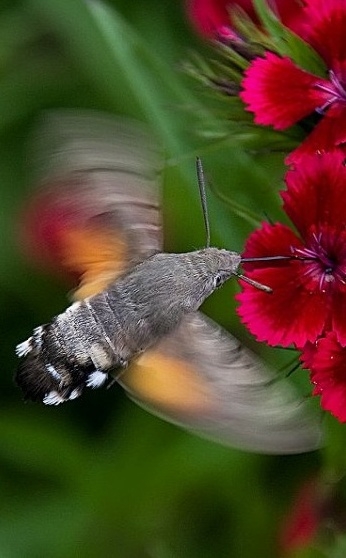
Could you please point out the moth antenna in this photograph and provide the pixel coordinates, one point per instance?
(203, 197)
(254, 283)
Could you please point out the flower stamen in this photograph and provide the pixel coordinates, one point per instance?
(322, 264)
(335, 89)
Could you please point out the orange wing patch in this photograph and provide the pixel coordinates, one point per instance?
(167, 384)
(96, 255)
(59, 233)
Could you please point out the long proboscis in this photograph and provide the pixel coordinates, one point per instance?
(271, 258)
(256, 284)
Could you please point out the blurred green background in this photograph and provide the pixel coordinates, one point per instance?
(100, 477)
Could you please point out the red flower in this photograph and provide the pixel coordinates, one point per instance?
(326, 359)
(302, 523)
(212, 18)
(280, 93)
(309, 294)
(318, 511)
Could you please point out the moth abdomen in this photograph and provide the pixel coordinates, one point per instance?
(47, 373)
(60, 359)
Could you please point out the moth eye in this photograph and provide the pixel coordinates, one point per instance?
(217, 280)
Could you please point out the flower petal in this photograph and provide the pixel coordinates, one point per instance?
(316, 192)
(328, 134)
(279, 93)
(328, 374)
(209, 16)
(292, 314)
(338, 318)
(289, 11)
(270, 240)
(308, 354)
(305, 517)
(212, 16)
(325, 30)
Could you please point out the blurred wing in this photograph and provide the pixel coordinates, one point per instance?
(97, 212)
(203, 379)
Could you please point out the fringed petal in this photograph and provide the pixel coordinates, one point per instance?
(279, 93)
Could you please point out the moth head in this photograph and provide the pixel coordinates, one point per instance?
(209, 269)
(220, 265)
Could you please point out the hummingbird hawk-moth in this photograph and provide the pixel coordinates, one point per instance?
(135, 315)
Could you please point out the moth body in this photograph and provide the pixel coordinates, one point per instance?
(97, 214)
(103, 333)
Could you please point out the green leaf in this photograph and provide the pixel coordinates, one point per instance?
(288, 43)
(238, 209)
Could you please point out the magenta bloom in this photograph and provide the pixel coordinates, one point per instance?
(212, 18)
(326, 359)
(309, 294)
(280, 93)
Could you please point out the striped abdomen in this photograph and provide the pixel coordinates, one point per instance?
(77, 349)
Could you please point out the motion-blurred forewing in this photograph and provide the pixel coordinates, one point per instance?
(97, 211)
(203, 379)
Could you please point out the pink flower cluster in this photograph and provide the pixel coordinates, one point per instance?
(307, 309)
